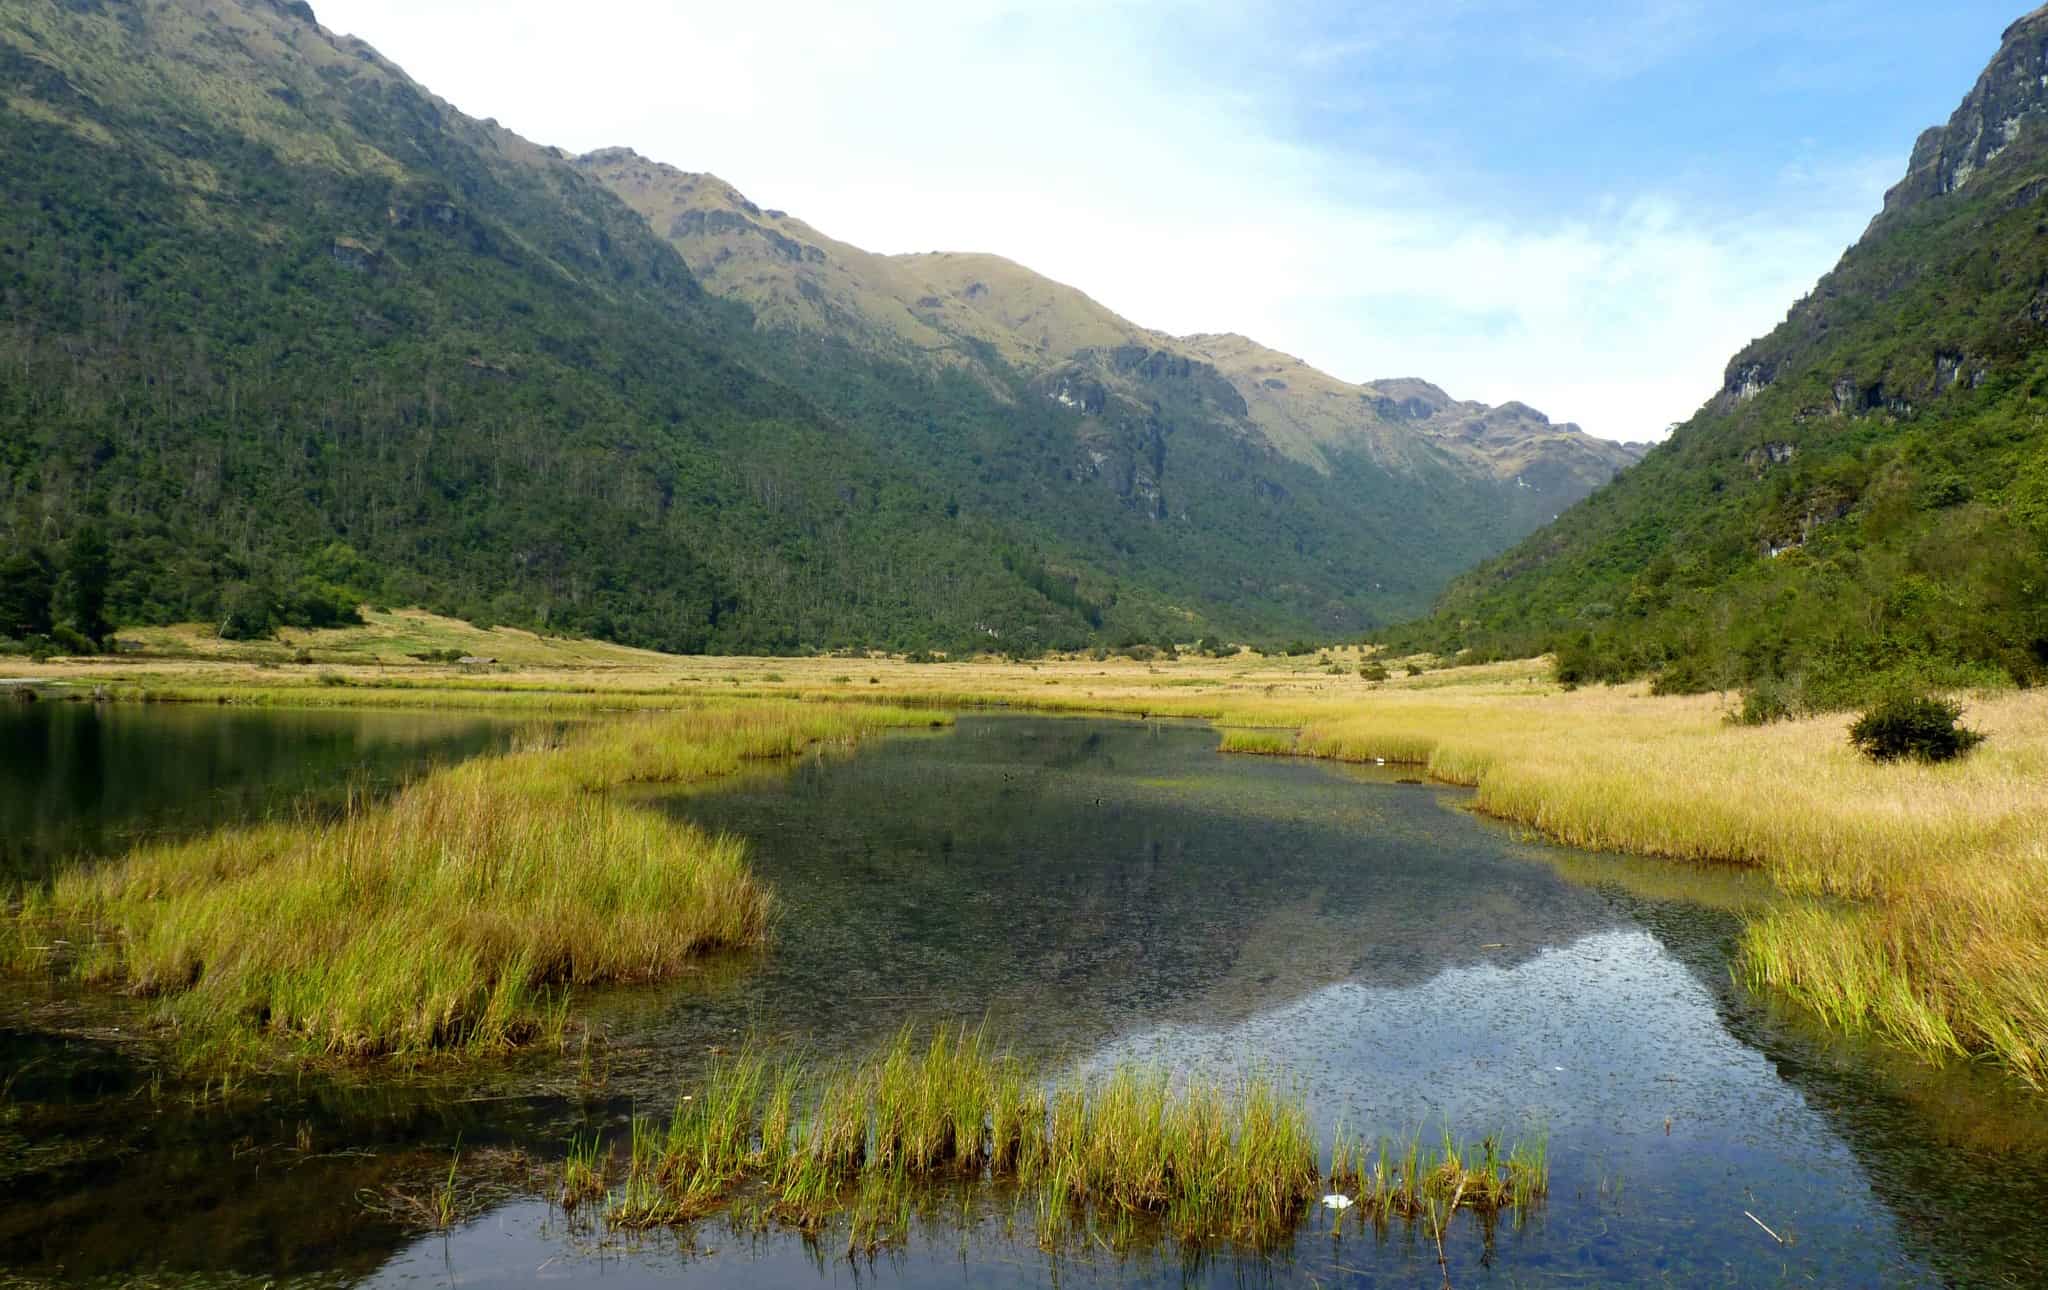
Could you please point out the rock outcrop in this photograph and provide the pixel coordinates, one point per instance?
(2012, 91)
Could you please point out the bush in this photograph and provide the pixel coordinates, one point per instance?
(1374, 672)
(1771, 700)
(313, 603)
(71, 641)
(1913, 725)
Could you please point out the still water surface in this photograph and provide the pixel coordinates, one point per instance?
(1101, 890)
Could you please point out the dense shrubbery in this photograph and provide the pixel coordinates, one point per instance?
(1918, 726)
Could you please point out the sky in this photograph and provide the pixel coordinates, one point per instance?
(1587, 205)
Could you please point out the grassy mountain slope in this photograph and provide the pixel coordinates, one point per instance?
(978, 313)
(1868, 493)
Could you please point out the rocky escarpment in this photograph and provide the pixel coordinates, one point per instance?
(2012, 91)
(1132, 398)
(1979, 168)
(1868, 490)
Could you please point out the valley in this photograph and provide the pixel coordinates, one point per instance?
(557, 721)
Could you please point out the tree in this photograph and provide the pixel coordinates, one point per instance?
(247, 613)
(27, 586)
(82, 588)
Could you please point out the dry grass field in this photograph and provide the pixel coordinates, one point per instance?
(1914, 898)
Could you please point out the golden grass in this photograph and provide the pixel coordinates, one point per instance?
(1931, 880)
(1203, 1162)
(455, 915)
(390, 638)
(1920, 893)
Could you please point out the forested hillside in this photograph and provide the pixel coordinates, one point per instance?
(283, 333)
(1868, 493)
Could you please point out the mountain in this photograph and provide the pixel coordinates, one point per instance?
(283, 331)
(1867, 494)
(977, 312)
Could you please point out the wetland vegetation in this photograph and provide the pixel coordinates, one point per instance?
(1914, 894)
(586, 853)
(457, 914)
(1134, 1151)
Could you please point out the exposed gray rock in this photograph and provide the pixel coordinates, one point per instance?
(1764, 456)
(357, 257)
(2007, 99)
(1747, 380)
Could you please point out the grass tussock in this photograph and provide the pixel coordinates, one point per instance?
(1131, 1150)
(1919, 910)
(456, 915)
(1414, 1180)
(1260, 743)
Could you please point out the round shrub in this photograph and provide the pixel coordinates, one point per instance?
(1919, 726)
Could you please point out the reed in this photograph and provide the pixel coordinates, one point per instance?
(585, 1172)
(1261, 743)
(1134, 1147)
(455, 916)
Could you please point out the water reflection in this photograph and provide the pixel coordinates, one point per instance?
(1107, 889)
(90, 779)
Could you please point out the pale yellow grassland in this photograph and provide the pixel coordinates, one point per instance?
(1915, 897)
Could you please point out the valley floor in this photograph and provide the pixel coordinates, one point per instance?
(1913, 899)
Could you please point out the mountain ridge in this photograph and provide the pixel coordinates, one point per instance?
(291, 331)
(950, 304)
(1866, 496)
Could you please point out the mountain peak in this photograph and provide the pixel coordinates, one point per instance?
(2010, 95)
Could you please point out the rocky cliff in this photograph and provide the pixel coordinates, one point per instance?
(2012, 91)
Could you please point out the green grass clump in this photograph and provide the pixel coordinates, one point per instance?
(1411, 1180)
(454, 916)
(1260, 743)
(1132, 1149)
(585, 1172)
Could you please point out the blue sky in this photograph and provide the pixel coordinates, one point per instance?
(1569, 102)
(1585, 206)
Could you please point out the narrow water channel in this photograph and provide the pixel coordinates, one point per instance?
(1100, 890)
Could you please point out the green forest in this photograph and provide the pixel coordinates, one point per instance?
(286, 335)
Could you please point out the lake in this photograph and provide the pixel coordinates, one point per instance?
(1095, 891)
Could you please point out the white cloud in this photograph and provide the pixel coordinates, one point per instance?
(1064, 135)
